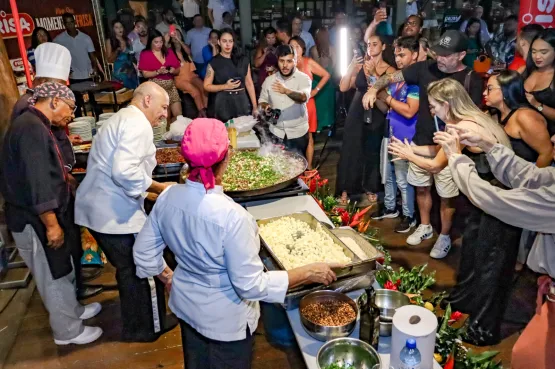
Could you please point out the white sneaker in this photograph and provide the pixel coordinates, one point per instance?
(423, 232)
(442, 247)
(91, 310)
(90, 334)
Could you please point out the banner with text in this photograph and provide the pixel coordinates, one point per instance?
(537, 11)
(49, 16)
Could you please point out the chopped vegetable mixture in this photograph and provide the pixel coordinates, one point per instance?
(248, 170)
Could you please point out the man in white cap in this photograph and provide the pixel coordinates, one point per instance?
(53, 63)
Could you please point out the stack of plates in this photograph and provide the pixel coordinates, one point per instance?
(89, 120)
(81, 128)
(159, 132)
(105, 116)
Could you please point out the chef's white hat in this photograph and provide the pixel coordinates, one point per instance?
(52, 61)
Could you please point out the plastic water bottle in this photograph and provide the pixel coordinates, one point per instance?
(410, 356)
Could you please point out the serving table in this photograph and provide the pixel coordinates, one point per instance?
(308, 345)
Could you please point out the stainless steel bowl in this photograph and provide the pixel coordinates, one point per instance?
(348, 351)
(388, 301)
(322, 332)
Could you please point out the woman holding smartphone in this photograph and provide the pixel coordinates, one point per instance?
(160, 65)
(228, 77)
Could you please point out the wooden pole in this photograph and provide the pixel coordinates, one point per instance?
(9, 94)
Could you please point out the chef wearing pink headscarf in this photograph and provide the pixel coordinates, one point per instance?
(220, 278)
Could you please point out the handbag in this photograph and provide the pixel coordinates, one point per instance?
(535, 346)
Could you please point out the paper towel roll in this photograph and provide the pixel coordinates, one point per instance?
(416, 322)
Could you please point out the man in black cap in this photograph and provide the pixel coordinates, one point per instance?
(450, 51)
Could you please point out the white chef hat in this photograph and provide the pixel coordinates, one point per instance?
(52, 61)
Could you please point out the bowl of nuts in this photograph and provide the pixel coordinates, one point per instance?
(326, 315)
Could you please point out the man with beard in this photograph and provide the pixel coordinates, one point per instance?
(450, 51)
(139, 43)
(168, 19)
(288, 91)
(411, 27)
(503, 45)
(110, 203)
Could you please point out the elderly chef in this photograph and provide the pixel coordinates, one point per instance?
(53, 63)
(110, 204)
(39, 209)
(219, 277)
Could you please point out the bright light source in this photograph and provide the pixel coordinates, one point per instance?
(343, 51)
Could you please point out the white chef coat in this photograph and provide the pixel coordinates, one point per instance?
(79, 47)
(294, 116)
(119, 169)
(219, 277)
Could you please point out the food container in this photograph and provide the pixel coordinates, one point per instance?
(355, 267)
(388, 301)
(167, 168)
(348, 351)
(365, 246)
(322, 332)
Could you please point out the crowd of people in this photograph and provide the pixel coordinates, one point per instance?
(420, 116)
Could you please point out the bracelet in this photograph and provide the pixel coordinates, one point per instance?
(390, 99)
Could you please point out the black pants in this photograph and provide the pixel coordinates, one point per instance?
(485, 276)
(297, 145)
(140, 323)
(200, 352)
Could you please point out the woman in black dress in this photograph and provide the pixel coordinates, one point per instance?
(358, 171)
(228, 79)
(540, 78)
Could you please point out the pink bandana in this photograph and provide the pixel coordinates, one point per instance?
(204, 144)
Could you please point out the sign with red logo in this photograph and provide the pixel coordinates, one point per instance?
(48, 16)
(7, 25)
(537, 11)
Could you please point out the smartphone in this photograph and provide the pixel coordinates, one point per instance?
(172, 30)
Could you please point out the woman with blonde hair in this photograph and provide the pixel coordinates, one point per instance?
(489, 246)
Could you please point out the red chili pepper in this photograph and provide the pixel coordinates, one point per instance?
(390, 286)
(345, 218)
(398, 283)
(450, 363)
(357, 218)
(455, 316)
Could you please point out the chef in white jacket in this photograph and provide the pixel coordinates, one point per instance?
(110, 202)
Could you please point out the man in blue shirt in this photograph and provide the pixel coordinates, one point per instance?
(403, 102)
(197, 39)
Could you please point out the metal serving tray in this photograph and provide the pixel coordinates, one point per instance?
(370, 251)
(169, 168)
(357, 266)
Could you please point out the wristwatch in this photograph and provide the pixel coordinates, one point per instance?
(540, 108)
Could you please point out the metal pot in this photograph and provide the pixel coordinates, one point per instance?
(348, 351)
(322, 332)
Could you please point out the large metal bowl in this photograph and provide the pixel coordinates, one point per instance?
(388, 301)
(348, 351)
(322, 332)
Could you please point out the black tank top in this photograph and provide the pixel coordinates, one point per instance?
(547, 98)
(521, 148)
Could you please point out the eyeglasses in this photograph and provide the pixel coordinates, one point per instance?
(490, 88)
(72, 107)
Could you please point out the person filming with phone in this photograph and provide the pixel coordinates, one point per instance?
(283, 100)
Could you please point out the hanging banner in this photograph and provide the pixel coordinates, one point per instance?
(537, 11)
(49, 16)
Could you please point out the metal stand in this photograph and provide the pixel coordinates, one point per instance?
(341, 115)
